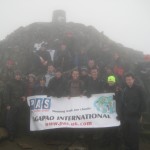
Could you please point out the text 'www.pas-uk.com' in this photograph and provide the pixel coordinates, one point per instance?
(68, 124)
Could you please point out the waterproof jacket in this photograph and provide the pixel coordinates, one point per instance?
(116, 89)
(75, 88)
(16, 90)
(57, 87)
(94, 86)
(133, 101)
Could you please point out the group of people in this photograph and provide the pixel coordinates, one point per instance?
(57, 79)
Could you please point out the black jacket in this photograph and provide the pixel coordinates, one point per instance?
(39, 90)
(117, 97)
(15, 90)
(133, 101)
(45, 55)
(85, 80)
(94, 87)
(63, 60)
(57, 87)
(38, 67)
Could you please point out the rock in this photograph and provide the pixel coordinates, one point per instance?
(56, 142)
(145, 134)
(3, 133)
(24, 145)
(59, 16)
(77, 148)
(75, 35)
(146, 126)
(146, 117)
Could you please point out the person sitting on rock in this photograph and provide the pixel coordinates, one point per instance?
(63, 58)
(44, 58)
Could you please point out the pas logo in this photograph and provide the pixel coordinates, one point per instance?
(40, 103)
(105, 104)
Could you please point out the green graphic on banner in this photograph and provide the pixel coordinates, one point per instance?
(105, 104)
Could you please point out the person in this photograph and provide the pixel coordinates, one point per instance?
(16, 100)
(57, 85)
(3, 96)
(43, 58)
(40, 88)
(111, 86)
(75, 85)
(81, 58)
(91, 65)
(133, 104)
(95, 86)
(8, 71)
(30, 85)
(108, 71)
(84, 76)
(63, 58)
(112, 135)
(118, 66)
(75, 88)
(50, 73)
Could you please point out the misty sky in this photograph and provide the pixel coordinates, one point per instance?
(124, 21)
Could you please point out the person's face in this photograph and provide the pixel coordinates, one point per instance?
(83, 73)
(110, 83)
(108, 71)
(50, 69)
(58, 75)
(94, 73)
(42, 82)
(91, 63)
(17, 77)
(9, 65)
(129, 81)
(63, 47)
(31, 79)
(75, 75)
(116, 56)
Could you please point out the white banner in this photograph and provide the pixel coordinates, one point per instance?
(97, 111)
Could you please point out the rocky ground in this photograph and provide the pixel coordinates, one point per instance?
(68, 139)
(43, 143)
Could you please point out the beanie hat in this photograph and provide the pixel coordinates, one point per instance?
(111, 79)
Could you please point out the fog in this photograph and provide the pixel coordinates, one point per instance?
(124, 21)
